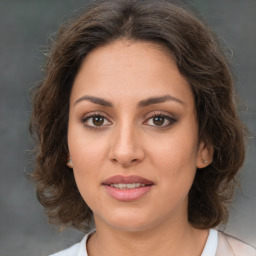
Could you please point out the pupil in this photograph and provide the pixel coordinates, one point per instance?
(158, 120)
(98, 120)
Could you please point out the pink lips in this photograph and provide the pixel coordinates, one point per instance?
(128, 194)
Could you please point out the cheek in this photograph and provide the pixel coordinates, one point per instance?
(176, 166)
(86, 165)
(86, 148)
(86, 171)
(176, 152)
(175, 157)
(85, 152)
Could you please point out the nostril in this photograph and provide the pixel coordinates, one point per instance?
(125, 162)
(114, 160)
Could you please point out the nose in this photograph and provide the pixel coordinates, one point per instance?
(126, 147)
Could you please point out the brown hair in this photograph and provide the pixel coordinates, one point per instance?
(201, 62)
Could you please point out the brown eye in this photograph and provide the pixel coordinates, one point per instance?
(158, 120)
(98, 120)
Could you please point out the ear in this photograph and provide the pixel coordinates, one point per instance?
(204, 155)
(69, 162)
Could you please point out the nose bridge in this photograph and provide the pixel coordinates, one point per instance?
(126, 148)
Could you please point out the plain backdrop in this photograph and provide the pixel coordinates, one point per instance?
(25, 29)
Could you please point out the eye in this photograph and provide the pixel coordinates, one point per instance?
(160, 120)
(95, 121)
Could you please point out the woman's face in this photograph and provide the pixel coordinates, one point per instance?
(133, 136)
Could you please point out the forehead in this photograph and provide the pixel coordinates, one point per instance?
(130, 68)
(128, 54)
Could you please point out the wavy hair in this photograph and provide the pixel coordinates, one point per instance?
(200, 61)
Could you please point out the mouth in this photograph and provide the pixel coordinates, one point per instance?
(124, 186)
(127, 182)
(127, 188)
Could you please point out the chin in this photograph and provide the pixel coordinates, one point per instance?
(129, 221)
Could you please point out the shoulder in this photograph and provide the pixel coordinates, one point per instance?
(228, 245)
(78, 249)
(71, 251)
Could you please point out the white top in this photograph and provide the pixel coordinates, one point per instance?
(210, 247)
(79, 249)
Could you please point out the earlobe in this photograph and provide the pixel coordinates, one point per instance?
(69, 162)
(205, 155)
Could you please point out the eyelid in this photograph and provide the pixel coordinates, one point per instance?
(171, 118)
(159, 113)
(89, 115)
(93, 113)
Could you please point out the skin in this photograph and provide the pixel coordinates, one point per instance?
(127, 140)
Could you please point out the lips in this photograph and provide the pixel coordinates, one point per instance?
(127, 188)
(126, 180)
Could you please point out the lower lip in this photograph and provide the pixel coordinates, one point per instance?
(127, 195)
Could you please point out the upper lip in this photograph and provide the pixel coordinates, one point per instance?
(127, 180)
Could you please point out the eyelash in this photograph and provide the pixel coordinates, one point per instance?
(89, 117)
(170, 120)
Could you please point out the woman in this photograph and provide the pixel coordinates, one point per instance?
(137, 130)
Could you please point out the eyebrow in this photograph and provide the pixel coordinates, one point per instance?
(156, 100)
(95, 100)
(143, 103)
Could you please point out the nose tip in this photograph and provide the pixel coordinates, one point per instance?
(126, 150)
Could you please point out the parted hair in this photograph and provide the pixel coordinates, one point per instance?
(200, 60)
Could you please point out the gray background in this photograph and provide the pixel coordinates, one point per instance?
(25, 28)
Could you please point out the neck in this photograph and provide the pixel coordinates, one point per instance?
(169, 239)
